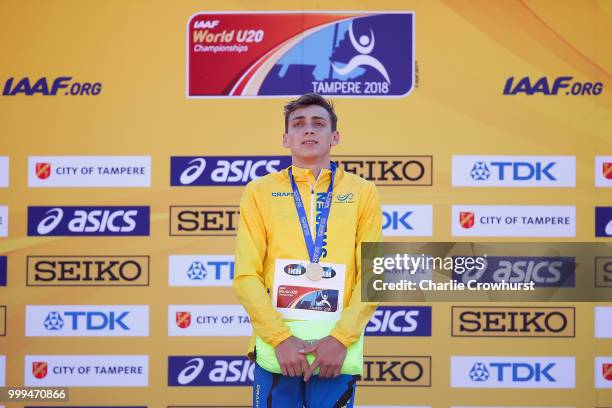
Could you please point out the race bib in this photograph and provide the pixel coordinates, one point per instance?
(297, 297)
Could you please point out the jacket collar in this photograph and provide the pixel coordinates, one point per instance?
(304, 174)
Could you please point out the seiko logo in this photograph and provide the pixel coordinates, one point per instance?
(87, 271)
(2, 322)
(203, 220)
(390, 170)
(603, 271)
(494, 321)
(398, 371)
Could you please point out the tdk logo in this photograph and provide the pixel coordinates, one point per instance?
(512, 372)
(479, 372)
(50, 87)
(514, 171)
(196, 271)
(400, 321)
(407, 220)
(194, 371)
(395, 220)
(480, 171)
(88, 221)
(223, 170)
(545, 86)
(200, 270)
(54, 321)
(543, 271)
(87, 320)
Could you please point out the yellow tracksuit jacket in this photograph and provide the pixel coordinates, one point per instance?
(269, 228)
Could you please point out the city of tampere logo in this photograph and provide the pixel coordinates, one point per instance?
(607, 170)
(183, 319)
(466, 219)
(479, 372)
(606, 370)
(39, 369)
(43, 170)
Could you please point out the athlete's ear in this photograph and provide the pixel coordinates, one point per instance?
(285, 140)
(335, 138)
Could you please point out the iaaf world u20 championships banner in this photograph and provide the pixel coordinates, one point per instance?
(292, 53)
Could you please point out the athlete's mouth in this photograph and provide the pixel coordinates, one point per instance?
(309, 142)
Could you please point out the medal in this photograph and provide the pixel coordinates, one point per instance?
(314, 271)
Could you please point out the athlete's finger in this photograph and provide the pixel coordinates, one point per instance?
(290, 371)
(304, 364)
(311, 369)
(325, 371)
(297, 368)
(309, 349)
(337, 371)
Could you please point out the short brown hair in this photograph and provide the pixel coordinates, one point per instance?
(310, 99)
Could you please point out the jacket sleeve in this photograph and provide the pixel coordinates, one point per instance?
(249, 274)
(356, 315)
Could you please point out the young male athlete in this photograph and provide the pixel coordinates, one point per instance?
(298, 267)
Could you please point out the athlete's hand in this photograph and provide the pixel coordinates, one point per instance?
(291, 362)
(329, 357)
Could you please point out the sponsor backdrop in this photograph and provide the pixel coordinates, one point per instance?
(129, 130)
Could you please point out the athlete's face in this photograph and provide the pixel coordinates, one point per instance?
(309, 135)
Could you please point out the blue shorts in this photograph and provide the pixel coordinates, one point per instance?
(278, 391)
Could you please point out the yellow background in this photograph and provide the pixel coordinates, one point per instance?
(465, 51)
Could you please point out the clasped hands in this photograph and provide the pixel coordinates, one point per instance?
(329, 356)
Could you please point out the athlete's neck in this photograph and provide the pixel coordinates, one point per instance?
(314, 165)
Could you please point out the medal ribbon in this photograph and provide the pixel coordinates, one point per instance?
(314, 249)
